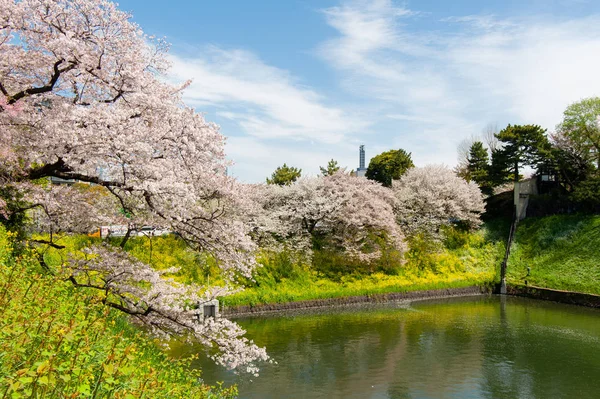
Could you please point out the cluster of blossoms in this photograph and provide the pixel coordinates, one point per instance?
(432, 196)
(351, 212)
(81, 97)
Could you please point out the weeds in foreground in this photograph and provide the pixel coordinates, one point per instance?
(60, 342)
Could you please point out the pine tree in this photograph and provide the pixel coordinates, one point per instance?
(284, 175)
(330, 169)
(479, 166)
(522, 145)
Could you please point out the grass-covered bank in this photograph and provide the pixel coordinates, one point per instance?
(60, 342)
(461, 260)
(562, 252)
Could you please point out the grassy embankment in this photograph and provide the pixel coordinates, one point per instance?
(60, 342)
(562, 251)
(461, 260)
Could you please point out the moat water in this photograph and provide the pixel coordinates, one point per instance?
(470, 347)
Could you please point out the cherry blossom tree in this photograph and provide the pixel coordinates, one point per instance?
(83, 96)
(347, 210)
(432, 196)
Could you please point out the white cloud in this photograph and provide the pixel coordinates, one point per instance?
(447, 83)
(421, 89)
(265, 101)
(535, 69)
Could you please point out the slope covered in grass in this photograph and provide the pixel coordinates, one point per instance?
(562, 251)
(462, 260)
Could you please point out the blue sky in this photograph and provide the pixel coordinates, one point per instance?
(304, 81)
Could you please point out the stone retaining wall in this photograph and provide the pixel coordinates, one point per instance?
(375, 298)
(572, 298)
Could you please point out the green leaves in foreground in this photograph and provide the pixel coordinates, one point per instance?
(60, 342)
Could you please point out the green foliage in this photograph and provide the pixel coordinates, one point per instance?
(332, 167)
(14, 219)
(335, 264)
(279, 266)
(479, 167)
(580, 125)
(170, 251)
(331, 260)
(522, 145)
(388, 166)
(562, 252)
(60, 342)
(284, 175)
(459, 251)
(499, 171)
(587, 194)
(462, 259)
(549, 204)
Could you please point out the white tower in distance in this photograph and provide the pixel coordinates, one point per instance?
(361, 162)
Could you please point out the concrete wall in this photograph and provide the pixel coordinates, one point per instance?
(202, 305)
(377, 298)
(522, 192)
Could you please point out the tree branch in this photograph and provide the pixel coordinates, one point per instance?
(62, 170)
(47, 87)
(50, 243)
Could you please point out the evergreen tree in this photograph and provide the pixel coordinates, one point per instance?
(330, 169)
(388, 166)
(498, 172)
(284, 175)
(478, 166)
(521, 145)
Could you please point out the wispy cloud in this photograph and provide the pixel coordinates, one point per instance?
(447, 83)
(265, 101)
(404, 83)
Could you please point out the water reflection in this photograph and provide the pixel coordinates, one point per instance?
(476, 347)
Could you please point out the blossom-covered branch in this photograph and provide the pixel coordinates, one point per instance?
(168, 307)
(82, 97)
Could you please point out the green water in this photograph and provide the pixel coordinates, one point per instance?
(476, 347)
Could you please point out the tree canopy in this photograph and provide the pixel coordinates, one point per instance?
(331, 168)
(581, 127)
(284, 175)
(521, 145)
(388, 166)
(353, 213)
(83, 96)
(432, 196)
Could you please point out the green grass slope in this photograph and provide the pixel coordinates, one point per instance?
(462, 260)
(562, 251)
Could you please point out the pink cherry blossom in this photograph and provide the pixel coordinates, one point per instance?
(345, 208)
(83, 96)
(432, 196)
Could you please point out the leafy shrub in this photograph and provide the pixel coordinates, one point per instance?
(587, 195)
(60, 342)
(279, 266)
